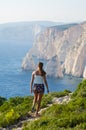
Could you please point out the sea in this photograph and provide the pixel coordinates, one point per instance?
(16, 82)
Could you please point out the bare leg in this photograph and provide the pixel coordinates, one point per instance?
(35, 100)
(39, 98)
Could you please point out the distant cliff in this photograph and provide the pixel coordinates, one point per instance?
(19, 31)
(23, 31)
(68, 43)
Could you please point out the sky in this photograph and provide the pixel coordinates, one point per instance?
(42, 10)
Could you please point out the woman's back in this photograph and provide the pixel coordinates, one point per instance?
(38, 78)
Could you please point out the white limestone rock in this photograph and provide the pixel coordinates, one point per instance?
(84, 73)
(61, 100)
(70, 47)
(28, 63)
(75, 61)
(53, 68)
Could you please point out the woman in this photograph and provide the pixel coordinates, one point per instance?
(38, 78)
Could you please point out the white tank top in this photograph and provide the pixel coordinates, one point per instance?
(38, 79)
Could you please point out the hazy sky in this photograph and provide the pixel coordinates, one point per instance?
(51, 10)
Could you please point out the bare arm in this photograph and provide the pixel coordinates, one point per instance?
(31, 83)
(45, 81)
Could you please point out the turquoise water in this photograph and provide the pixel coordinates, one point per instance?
(14, 81)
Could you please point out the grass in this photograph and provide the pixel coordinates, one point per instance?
(71, 116)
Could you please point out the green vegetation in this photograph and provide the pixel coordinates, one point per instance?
(15, 109)
(65, 26)
(2, 100)
(71, 116)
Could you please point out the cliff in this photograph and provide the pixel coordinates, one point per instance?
(23, 31)
(75, 60)
(68, 44)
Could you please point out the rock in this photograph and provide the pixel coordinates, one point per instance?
(28, 63)
(75, 61)
(53, 67)
(84, 73)
(61, 100)
(68, 45)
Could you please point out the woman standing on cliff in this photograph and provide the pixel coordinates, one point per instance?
(37, 86)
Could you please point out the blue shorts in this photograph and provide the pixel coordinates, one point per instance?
(38, 88)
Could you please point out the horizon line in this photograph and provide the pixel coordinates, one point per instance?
(26, 21)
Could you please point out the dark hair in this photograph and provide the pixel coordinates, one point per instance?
(40, 65)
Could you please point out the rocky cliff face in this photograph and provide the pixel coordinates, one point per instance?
(69, 45)
(53, 67)
(84, 74)
(75, 60)
(21, 31)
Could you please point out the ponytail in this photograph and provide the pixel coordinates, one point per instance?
(40, 65)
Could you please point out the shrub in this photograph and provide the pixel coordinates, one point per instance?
(81, 90)
(2, 100)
